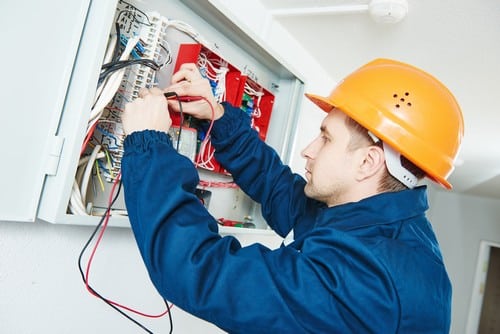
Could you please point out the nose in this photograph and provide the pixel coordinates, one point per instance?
(308, 151)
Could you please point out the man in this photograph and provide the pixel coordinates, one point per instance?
(364, 258)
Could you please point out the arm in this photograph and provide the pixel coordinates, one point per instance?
(256, 167)
(250, 289)
(258, 170)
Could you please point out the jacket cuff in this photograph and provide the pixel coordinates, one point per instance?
(141, 141)
(232, 119)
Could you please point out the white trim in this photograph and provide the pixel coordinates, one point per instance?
(476, 301)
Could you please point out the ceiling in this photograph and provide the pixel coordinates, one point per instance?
(458, 41)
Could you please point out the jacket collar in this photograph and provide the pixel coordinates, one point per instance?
(382, 208)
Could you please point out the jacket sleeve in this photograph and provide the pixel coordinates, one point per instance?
(251, 289)
(258, 170)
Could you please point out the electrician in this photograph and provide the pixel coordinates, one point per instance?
(363, 258)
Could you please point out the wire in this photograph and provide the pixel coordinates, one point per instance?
(217, 184)
(102, 225)
(212, 119)
(87, 173)
(116, 49)
(174, 94)
(119, 64)
(187, 29)
(134, 14)
(98, 173)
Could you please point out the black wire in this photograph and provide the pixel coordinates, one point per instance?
(123, 63)
(169, 56)
(80, 267)
(117, 65)
(140, 11)
(116, 50)
(170, 94)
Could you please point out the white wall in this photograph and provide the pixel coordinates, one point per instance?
(461, 222)
(41, 290)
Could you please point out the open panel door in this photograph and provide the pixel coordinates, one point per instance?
(38, 53)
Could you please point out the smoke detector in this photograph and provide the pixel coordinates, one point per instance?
(388, 11)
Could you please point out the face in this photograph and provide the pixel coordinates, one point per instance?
(330, 165)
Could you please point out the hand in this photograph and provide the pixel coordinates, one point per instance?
(187, 81)
(147, 112)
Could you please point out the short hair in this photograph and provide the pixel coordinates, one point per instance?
(360, 137)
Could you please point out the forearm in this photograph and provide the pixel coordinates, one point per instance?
(188, 262)
(258, 170)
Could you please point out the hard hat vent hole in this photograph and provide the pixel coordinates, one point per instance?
(401, 100)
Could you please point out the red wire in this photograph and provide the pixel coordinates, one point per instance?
(106, 221)
(87, 138)
(212, 119)
(89, 263)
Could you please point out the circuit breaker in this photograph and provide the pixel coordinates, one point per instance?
(127, 45)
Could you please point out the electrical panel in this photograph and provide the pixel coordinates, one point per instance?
(128, 45)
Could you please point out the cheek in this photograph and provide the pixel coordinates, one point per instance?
(326, 162)
(333, 164)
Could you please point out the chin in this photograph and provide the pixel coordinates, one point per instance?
(309, 192)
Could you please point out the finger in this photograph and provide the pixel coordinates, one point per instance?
(189, 67)
(187, 72)
(143, 92)
(181, 88)
(155, 91)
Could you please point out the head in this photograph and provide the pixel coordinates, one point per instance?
(345, 163)
(401, 124)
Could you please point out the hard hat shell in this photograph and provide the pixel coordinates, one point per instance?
(406, 108)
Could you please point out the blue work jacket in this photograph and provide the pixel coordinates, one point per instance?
(373, 266)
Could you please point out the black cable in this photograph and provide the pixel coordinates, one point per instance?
(174, 94)
(117, 65)
(80, 267)
(169, 56)
(123, 63)
(140, 11)
(170, 320)
(116, 50)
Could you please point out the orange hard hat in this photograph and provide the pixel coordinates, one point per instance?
(406, 108)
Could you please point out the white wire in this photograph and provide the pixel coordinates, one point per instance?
(75, 203)
(187, 29)
(254, 93)
(88, 170)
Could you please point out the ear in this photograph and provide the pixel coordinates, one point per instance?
(371, 163)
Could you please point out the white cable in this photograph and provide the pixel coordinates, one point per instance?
(88, 171)
(254, 93)
(75, 203)
(187, 29)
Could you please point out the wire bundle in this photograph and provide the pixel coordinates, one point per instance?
(215, 71)
(254, 94)
(85, 274)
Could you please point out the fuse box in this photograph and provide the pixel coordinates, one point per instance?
(151, 39)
